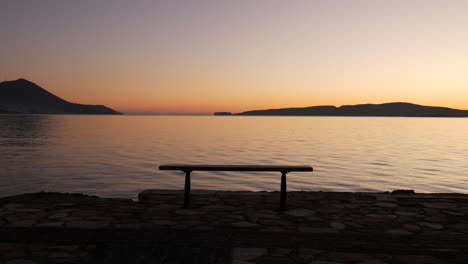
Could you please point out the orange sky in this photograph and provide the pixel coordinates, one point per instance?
(206, 56)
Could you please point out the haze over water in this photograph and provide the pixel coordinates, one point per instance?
(117, 156)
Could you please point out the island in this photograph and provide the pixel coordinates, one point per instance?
(24, 97)
(400, 109)
(222, 113)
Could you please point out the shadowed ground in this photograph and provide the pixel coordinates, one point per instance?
(235, 227)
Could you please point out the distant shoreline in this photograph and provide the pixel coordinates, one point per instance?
(397, 109)
(211, 115)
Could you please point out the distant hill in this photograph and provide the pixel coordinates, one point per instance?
(388, 109)
(24, 97)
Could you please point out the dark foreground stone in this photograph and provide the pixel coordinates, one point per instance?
(235, 227)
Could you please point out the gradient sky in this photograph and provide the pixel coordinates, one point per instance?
(204, 56)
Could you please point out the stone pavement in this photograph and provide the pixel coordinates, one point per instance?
(235, 227)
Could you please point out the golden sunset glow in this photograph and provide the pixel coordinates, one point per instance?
(207, 56)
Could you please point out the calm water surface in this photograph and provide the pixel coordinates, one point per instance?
(117, 156)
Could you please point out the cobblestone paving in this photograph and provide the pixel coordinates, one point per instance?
(235, 227)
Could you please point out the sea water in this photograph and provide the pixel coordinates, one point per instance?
(118, 156)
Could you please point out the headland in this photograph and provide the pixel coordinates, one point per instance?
(24, 97)
(394, 109)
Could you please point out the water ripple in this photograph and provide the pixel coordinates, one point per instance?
(119, 156)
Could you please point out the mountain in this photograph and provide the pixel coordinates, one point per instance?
(24, 97)
(388, 109)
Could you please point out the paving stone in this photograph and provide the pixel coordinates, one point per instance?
(22, 223)
(163, 222)
(433, 232)
(203, 228)
(317, 230)
(280, 251)
(222, 208)
(431, 211)
(64, 204)
(373, 220)
(431, 225)
(61, 255)
(86, 225)
(439, 205)
(71, 218)
(338, 225)
(32, 217)
(385, 198)
(235, 217)
(241, 262)
(63, 210)
(314, 219)
(27, 210)
(12, 205)
(20, 261)
(406, 219)
(129, 226)
(63, 248)
(324, 262)
(86, 213)
(273, 222)
(3, 213)
(300, 212)
(347, 256)
(411, 259)
(372, 261)
(179, 227)
(398, 232)
(244, 224)
(274, 260)
(384, 216)
(411, 227)
(187, 212)
(39, 253)
(405, 213)
(267, 216)
(8, 246)
(330, 211)
(50, 224)
(58, 215)
(307, 254)
(384, 257)
(247, 253)
(163, 207)
(16, 253)
(386, 205)
(453, 213)
(463, 226)
(11, 219)
(353, 224)
(274, 229)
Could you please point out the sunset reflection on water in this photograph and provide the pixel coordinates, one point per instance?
(117, 156)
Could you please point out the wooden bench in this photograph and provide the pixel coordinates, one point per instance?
(189, 168)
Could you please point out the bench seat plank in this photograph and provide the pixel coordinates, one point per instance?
(195, 167)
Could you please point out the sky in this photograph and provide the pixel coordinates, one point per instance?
(220, 55)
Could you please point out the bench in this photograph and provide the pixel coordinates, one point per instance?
(189, 168)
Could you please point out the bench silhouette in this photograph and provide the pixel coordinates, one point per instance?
(189, 168)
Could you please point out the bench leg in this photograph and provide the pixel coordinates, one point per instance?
(187, 190)
(283, 191)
